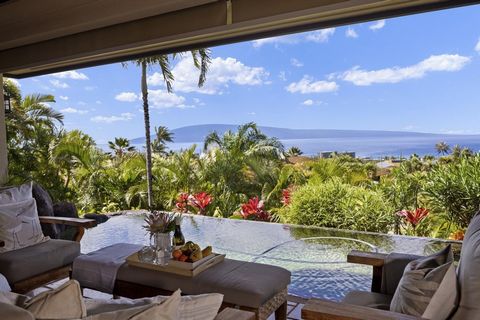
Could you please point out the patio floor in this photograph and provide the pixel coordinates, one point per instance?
(295, 304)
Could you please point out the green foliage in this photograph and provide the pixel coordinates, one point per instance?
(335, 204)
(454, 188)
(340, 192)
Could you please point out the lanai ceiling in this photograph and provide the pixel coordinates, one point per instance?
(44, 36)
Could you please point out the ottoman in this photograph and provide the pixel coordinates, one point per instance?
(250, 286)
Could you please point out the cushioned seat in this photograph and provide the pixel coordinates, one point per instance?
(369, 299)
(21, 264)
(242, 283)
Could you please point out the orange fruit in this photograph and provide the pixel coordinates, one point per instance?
(177, 254)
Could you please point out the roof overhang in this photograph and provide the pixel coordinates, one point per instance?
(39, 37)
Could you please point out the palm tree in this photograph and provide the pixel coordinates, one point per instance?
(32, 114)
(293, 152)
(201, 60)
(162, 135)
(456, 151)
(248, 141)
(236, 160)
(442, 148)
(120, 147)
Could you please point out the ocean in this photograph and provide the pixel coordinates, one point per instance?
(372, 147)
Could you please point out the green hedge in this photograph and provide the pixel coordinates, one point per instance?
(335, 204)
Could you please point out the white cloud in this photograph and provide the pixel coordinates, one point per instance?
(378, 25)
(320, 35)
(351, 33)
(73, 74)
(282, 75)
(59, 84)
(222, 72)
(65, 98)
(310, 102)
(252, 113)
(477, 47)
(309, 85)
(90, 88)
(110, 119)
(296, 63)
(73, 110)
(160, 99)
(14, 81)
(444, 62)
(127, 97)
(98, 102)
(198, 102)
(288, 39)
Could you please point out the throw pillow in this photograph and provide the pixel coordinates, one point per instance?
(20, 225)
(64, 302)
(428, 287)
(198, 307)
(16, 194)
(168, 310)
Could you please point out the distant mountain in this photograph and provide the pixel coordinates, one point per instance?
(198, 133)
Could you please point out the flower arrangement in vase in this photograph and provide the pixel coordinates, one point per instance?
(160, 225)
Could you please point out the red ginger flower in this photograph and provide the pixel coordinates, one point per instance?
(182, 202)
(200, 201)
(254, 210)
(286, 196)
(414, 217)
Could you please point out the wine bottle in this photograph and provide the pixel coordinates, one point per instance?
(178, 238)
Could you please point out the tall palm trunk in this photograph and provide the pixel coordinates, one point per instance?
(146, 116)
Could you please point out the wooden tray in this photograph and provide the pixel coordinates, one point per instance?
(177, 267)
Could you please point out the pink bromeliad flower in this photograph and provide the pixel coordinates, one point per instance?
(200, 201)
(254, 210)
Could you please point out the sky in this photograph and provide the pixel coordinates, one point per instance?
(416, 73)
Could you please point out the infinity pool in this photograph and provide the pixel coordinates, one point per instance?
(315, 256)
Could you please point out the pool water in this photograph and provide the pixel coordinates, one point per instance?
(315, 256)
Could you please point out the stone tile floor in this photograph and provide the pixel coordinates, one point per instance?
(294, 308)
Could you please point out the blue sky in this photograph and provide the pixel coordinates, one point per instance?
(416, 73)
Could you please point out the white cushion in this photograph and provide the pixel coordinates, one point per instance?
(167, 310)
(64, 302)
(16, 194)
(199, 307)
(20, 226)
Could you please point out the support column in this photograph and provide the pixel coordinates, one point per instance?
(3, 139)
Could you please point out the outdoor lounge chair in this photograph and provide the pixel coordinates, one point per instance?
(30, 267)
(365, 305)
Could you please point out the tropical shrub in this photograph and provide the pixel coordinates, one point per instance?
(454, 188)
(335, 204)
